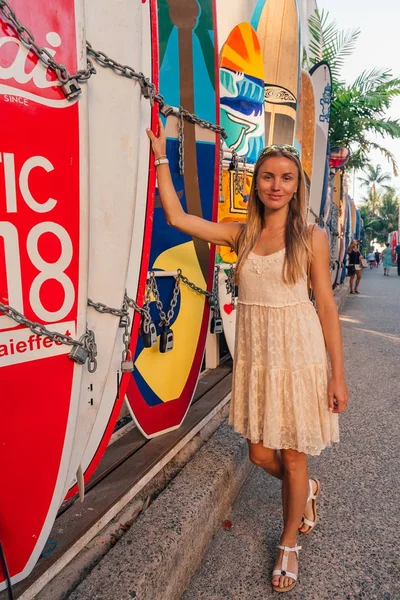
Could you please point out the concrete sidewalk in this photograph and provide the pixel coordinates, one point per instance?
(354, 552)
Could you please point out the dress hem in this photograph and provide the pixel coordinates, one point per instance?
(309, 451)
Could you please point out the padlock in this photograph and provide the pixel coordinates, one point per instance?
(123, 321)
(216, 325)
(148, 333)
(166, 340)
(78, 354)
(127, 363)
(71, 89)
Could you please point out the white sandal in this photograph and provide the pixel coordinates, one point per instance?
(283, 572)
(313, 497)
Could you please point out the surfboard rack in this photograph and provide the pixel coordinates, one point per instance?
(162, 274)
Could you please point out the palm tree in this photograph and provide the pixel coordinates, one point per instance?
(389, 209)
(373, 177)
(372, 201)
(328, 43)
(374, 180)
(378, 223)
(358, 110)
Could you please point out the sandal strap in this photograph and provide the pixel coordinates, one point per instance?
(286, 574)
(288, 549)
(285, 558)
(308, 522)
(311, 495)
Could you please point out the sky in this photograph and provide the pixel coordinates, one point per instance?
(377, 46)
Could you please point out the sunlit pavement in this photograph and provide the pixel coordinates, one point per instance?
(354, 552)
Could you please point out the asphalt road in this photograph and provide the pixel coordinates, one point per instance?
(354, 553)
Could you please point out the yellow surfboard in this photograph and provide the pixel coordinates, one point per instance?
(278, 31)
(307, 110)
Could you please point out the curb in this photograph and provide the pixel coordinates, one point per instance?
(159, 554)
(341, 293)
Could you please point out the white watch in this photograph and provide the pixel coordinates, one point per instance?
(161, 161)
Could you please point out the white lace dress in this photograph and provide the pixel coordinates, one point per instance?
(280, 374)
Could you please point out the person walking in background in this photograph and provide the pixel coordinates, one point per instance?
(284, 400)
(354, 269)
(397, 250)
(377, 258)
(387, 260)
(371, 259)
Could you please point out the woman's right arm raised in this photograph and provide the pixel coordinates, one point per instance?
(223, 234)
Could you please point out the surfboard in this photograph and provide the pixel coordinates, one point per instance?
(278, 32)
(334, 226)
(162, 385)
(43, 273)
(321, 81)
(342, 226)
(229, 14)
(353, 219)
(119, 171)
(242, 116)
(347, 236)
(307, 8)
(306, 130)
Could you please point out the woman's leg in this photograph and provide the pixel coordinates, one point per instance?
(358, 279)
(295, 492)
(266, 458)
(352, 282)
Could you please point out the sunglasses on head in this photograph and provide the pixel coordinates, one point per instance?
(285, 147)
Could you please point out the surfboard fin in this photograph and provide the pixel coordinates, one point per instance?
(81, 483)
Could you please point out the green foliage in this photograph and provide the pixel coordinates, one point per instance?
(358, 110)
(328, 43)
(380, 207)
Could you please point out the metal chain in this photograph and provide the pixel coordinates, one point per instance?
(181, 141)
(243, 178)
(68, 82)
(221, 166)
(87, 341)
(212, 297)
(165, 319)
(230, 284)
(318, 220)
(70, 85)
(149, 90)
(215, 303)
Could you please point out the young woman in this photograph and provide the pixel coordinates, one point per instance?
(354, 268)
(387, 260)
(283, 397)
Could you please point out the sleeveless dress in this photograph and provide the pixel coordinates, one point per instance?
(280, 373)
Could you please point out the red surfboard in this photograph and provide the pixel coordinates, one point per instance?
(43, 272)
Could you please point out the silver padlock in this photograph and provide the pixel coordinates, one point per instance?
(148, 333)
(71, 89)
(78, 354)
(216, 325)
(166, 340)
(123, 321)
(127, 363)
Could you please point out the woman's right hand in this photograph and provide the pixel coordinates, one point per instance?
(159, 144)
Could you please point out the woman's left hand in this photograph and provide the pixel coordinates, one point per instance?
(338, 394)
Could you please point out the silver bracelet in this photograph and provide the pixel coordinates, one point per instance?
(161, 161)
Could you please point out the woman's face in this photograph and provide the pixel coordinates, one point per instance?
(277, 181)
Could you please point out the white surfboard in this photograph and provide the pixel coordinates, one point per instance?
(227, 306)
(322, 84)
(118, 117)
(306, 9)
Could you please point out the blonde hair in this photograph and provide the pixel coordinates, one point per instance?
(352, 246)
(297, 234)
